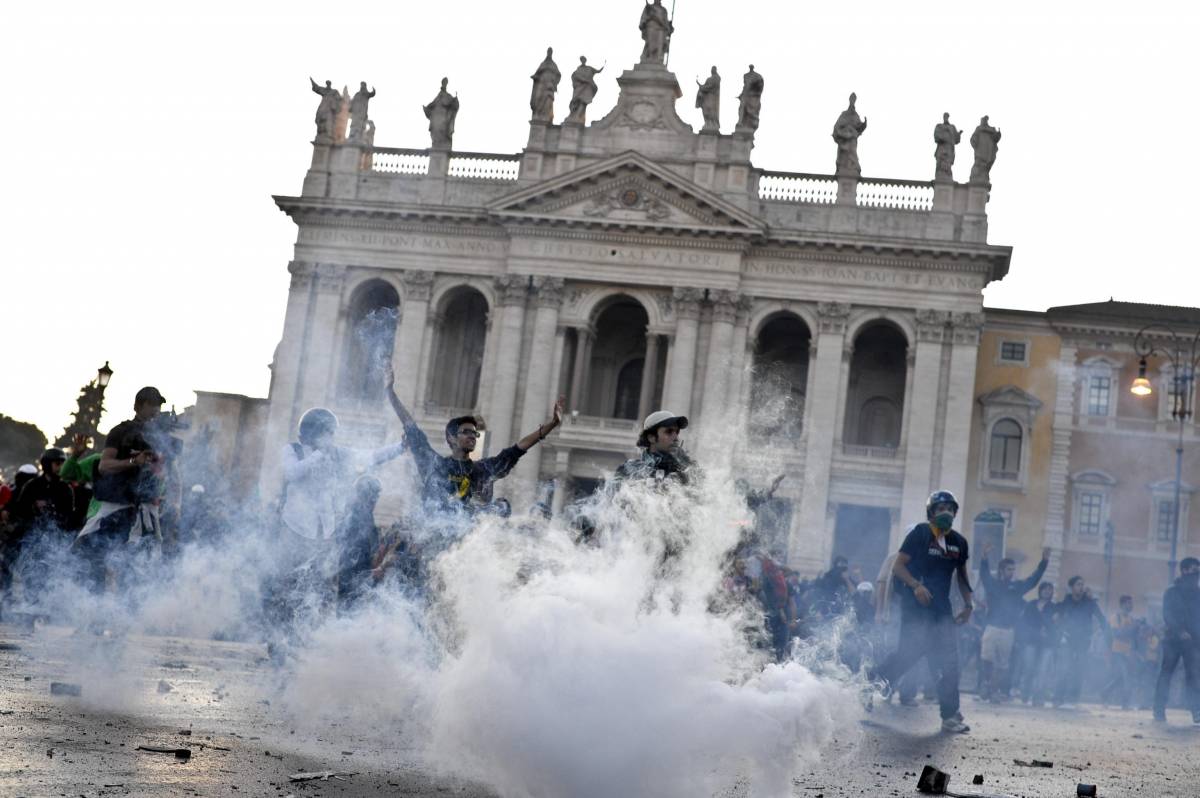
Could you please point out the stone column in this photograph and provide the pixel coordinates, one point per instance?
(921, 416)
(512, 290)
(649, 372)
(738, 359)
(562, 480)
(807, 545)
(584, 336)
(548, 292)
(410, 335)
(720, 351)
(317, 385)
(960, 401)
(1058, 488)
(677, 396)
(286, 373)
(560, 352)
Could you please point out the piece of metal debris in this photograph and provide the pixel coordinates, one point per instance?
(180, 753)
(9, 647)
(933, 781)
(1033, 763)
(322, 775)
(63, 688)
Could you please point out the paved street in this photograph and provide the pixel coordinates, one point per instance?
(62, 745)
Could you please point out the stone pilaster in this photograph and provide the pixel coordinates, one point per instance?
(677, 395)
(649, 372)
(1060, 458)
(960, 401)
(584, 338)
(286, 374)
(720, 349)
(548, 294)
(806, 549)
(920, 415)
(512, 290)
(410, 334)
(319, 350)
(738, 360)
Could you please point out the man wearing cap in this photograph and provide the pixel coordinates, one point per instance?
(457, 481)
(43, 511)
(662, 456)
(128, 486)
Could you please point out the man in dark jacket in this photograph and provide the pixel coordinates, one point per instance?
(932, 558)
(1004, 596)
(662, 454)
(1034, 639)
(43, 512)
(1181, 616)
(1078, 615)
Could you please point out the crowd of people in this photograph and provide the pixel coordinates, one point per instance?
(100, 517)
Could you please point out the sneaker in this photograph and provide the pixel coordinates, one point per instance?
(909, 702)
(1160, 717)
(955, 725)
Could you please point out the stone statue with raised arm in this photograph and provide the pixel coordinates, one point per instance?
(327, 110)
(441, 112)
(846, 130)
(985, 141)
(656, 30)
(358, 112)
(583, 91)
(708, 100)
(945, 136)
(545, 85)
(750, 101)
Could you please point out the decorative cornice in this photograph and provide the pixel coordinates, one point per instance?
(418, 284)
(512, 288)
(686, 302)
(967, 327)
(330, 277)
(832, 316)
(724, 305)
(548, 291)
(302, 274)
(932, 324)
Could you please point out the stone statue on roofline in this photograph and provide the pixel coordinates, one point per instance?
(441, 112)
(985, 141)
(846, 130)
(656, 29)
(749, 101)
(342, 120)
(708, 100)
(945, 136)
(545, 84)
(327, 111)
(358, 112)
(583, 91)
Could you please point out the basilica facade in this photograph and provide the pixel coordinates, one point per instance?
(823, 326)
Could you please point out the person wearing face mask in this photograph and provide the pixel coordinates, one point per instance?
(1181, 616)
(932, 557)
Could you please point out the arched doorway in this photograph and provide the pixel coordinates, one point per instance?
(459, 337)
(780, 377)
(370, 337)
(618, 356)
(875, 392)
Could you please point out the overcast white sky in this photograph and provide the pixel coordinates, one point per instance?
(143, 141)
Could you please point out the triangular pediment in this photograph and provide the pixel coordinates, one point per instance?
(1011, 396)
(630, 191)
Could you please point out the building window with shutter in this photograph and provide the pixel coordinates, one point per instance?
(1005, 457)
(1091, 513)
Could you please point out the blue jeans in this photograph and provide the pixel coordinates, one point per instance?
(924, 635)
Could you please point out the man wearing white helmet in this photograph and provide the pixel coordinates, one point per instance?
(662, 454)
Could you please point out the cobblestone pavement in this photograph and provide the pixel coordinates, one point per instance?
(52, 745)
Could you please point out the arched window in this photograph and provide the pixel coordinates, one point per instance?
(1004, 461)
(780, 377)
(875, 392)
(618, 355)
(370, 338)
(461, 332)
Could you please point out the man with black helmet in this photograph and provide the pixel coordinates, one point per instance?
(931, 558)
(457, 481)
(662, 454)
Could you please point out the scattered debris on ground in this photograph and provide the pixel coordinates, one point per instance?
(978, 779)
(322, 775)
(933, 781)
(179, 753)
(1034, 763)
(9, 647)
(164, 686)
(1086, 790)
(64, 688)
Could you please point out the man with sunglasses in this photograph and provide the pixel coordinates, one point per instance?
(458, 481)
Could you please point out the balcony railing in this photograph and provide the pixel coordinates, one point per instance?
(397, 161)
(869, 452)
(600, 422)
(798, 187)
(485, 166)
(909, 195)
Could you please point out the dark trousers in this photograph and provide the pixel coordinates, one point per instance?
(935, 637)
(1032, 677)
(1072, 660)
(1120, 680)
(1175, 650)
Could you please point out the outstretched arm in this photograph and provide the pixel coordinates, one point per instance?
(1029, 583)
(401, 411)
(530, 440)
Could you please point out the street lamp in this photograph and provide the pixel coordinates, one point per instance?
(104, 375)
(1174, 348)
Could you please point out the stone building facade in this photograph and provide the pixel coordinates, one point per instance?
(633, 263)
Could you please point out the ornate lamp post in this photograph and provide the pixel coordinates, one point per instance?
(91, 404)
(1161, 340)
